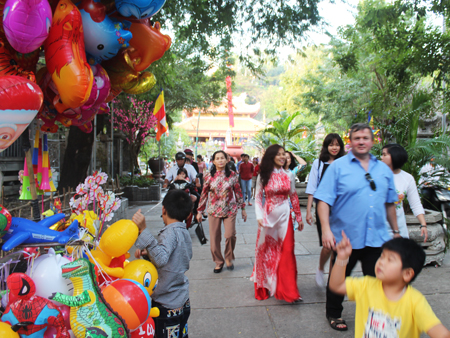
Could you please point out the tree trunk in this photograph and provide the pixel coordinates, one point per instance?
(77, 158)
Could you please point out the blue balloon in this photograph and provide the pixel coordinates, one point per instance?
(140, 9)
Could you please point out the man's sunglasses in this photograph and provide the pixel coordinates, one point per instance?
(371, 181)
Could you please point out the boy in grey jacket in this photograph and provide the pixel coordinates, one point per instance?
(170, 254)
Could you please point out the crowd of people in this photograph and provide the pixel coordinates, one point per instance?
(359, 217)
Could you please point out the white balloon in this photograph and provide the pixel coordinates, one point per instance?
(47, 275)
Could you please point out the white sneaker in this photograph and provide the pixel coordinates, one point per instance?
(320, 279)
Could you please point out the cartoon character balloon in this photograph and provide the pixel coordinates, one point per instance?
(140, 9)
(143, 272)
(20, 100)
(66, 59)
(148, 44)
(27, 23)
(5, 220)
(31, 313)
(8, 65)
(103, 36)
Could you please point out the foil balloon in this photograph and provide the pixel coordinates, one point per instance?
(8, 65)
(143, 272)
(27, 23)
(82, 117)
(140, 9)
(125, 78)
(66, 59)
(147, 45)
(20, 100)
(103, 36)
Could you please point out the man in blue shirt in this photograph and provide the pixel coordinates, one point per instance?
(356, 195)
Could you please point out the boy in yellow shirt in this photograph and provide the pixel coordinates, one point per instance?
(387, 306)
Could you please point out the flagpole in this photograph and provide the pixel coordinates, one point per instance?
(196, 138)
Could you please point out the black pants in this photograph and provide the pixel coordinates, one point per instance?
(368, 257)
(172, 323)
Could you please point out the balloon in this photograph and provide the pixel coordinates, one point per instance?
(124, 77)
(7, 332)
(82, 117)
(115, 242)
(47, 276)
(103, 37)
(130, 300)
(147, 45)
(140, 9)
(8, 65)
(20, 100)
(5, 220)
(143, 272)
(27, 23)
(146, 330)
(40, 312)
(66, 59)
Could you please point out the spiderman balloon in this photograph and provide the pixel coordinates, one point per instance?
(29, 315)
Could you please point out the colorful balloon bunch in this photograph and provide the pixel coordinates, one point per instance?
(93, 49)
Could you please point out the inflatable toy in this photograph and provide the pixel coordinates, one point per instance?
(143, 272)
(103, 37)
(30, 313)
(125, 78)
(115, 242)
(8, 65)
(5, 220)
(25, 231)
(131, 301)
(147, 45)
(140, 9)
(26, 23)
(66, 59)
(20, 100)
(47, 276)
(90, 315)
(7, 332)
(82, 117)
(146, 330)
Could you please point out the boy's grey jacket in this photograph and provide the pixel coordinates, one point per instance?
(170, 254)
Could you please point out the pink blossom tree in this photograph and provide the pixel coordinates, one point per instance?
(136, 120)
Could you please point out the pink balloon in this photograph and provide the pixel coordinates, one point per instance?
(27, 23)
(65, 311)
(50, 332)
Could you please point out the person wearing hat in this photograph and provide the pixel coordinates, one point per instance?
(190, 154)
(180, 159)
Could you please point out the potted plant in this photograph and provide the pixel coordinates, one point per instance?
(141, 188)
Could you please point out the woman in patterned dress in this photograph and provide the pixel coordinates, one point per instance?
(275, 269)
(221, 187)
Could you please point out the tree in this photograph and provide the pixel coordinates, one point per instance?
(136, 120)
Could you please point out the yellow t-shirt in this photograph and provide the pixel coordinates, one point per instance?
(378, 317)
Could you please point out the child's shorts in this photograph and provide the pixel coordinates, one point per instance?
(172, 322)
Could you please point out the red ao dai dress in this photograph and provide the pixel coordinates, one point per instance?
(275, 269)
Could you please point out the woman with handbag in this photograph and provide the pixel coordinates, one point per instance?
(221, 187)
(332, 149)
(275, 269)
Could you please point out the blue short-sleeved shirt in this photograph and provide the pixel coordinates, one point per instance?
(355, 207)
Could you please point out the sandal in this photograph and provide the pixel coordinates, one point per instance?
(334, 322)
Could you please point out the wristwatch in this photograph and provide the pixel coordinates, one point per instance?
(396, 231)
(422, 226)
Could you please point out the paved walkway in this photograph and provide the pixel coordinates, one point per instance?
(223, 305)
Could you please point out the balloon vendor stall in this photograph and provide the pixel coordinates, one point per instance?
(66, 273)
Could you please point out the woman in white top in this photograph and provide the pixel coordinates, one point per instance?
(395, 156)
(332, 149)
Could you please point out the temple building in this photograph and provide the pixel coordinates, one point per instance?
(213, 124)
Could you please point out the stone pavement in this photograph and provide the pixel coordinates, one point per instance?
(223, 305)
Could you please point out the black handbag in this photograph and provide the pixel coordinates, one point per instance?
(200, 233)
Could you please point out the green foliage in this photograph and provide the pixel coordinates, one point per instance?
(283, 129)
(141, 181)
